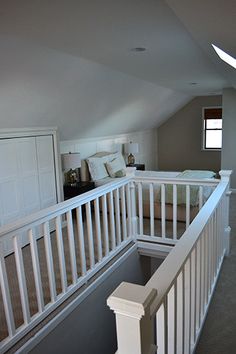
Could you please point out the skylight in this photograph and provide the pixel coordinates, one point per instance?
(225, 57)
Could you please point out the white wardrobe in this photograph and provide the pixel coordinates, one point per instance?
(28, 177)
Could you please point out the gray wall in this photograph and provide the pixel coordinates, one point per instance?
(229, 133)
(180, 139)
(90, 328)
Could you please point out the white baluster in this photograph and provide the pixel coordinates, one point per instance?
(171, 320)
(6, 296)
(49, 260)
(90, 235)
(123, 208)
(112, 221)
(214, 244)
(21, 280)
(202, 275)
(198, 285)
(200, 197)
(117, 213)
(98, 229)
(128, 201)
(81, 240)
(36, 270)
(187, 307)
(151, 201)
(163, 211)
(133, 209)
(179, 314)
(71, 241)
(175, 212)
(161, 327)
(105, 224)
(193, 296)
(61, 256)
(140, 207)
(207, 252)
(187, 206)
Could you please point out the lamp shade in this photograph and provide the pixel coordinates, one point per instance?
(131, 148)
(71, 161)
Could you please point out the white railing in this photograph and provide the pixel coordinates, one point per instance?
(57, 250)
(166, 207)
(89, 230)
(167, 314)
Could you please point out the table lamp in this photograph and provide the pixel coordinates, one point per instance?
(130, 149)
(71, 162)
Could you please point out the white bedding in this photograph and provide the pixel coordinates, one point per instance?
(159, 174)
(181, 189)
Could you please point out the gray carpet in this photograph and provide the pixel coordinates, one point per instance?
(219, 332)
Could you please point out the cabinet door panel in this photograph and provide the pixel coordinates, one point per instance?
(28, 175)
(27, 181)
(46, 171)
(8, 159)
(10, 198)
(10, 202)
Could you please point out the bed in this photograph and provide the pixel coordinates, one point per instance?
(95, 168)
(181, 193)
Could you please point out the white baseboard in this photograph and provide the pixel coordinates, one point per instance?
(153, 250)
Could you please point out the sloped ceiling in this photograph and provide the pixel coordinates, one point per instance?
(211, 21)
(69, 63)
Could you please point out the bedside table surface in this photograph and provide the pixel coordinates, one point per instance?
(139, 166)
(78, 188)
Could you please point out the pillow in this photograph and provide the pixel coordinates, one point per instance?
(115, 166)
(120, 173)
(96, 163)
(96, 168)
(197, 174)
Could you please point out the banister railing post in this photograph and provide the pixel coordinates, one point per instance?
(225, 177)
(134, 323)
(134, 219)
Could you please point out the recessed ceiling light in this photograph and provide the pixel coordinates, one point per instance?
(225, 57)
(138, 49)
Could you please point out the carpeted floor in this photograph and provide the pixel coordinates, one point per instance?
(219, 332)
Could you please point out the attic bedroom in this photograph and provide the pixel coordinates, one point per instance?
(136, 93)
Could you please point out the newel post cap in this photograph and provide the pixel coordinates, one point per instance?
(131, 300)
(225, 174)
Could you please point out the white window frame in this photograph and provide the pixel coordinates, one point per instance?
(203, 129)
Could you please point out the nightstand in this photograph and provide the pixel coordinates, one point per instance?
(139, 166)
(71, 191)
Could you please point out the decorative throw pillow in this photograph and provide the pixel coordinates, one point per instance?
(120, 173)
(115, 166)
(96, 163)
(97, 168)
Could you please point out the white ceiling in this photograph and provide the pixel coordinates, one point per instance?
(177, 35)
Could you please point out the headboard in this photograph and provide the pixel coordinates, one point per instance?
(103, 156)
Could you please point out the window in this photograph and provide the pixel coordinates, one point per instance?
(212, 134)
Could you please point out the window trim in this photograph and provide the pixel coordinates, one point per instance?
(204, 130)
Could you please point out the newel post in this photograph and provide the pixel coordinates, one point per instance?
(225, 177)
(134, 323)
